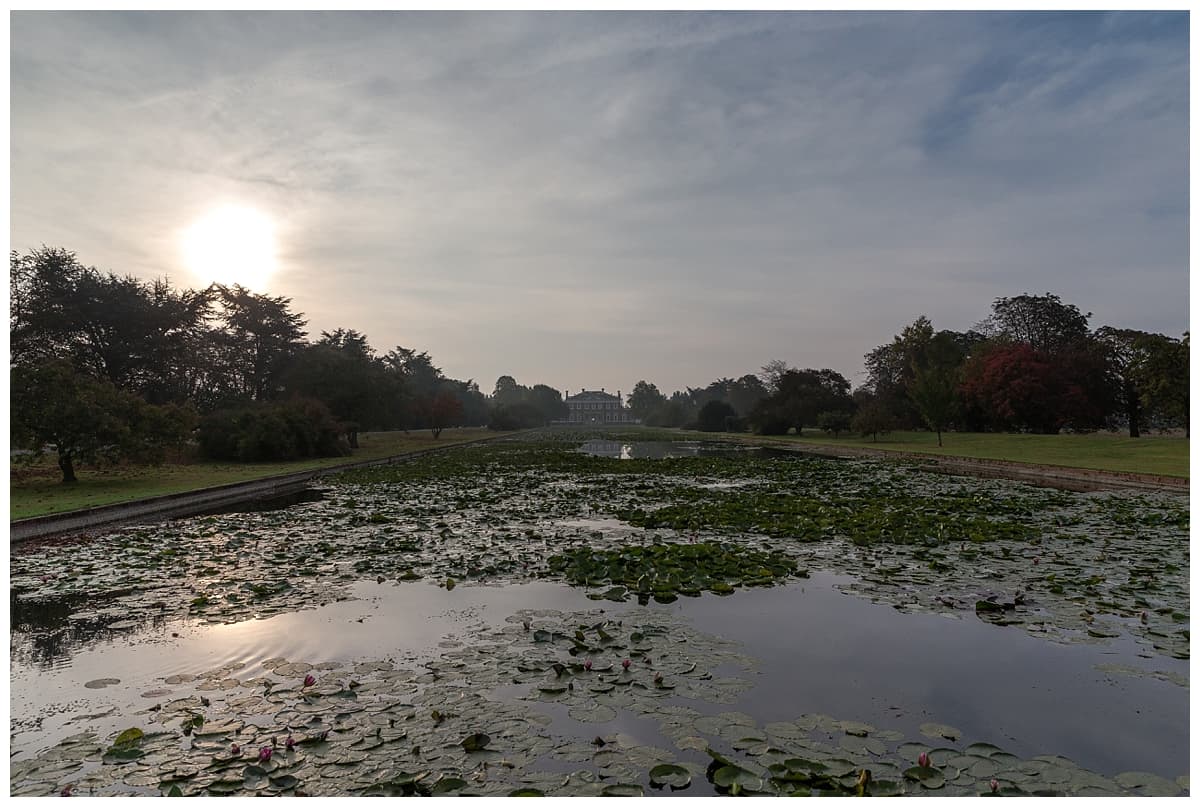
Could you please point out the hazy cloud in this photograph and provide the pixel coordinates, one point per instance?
(591, 199)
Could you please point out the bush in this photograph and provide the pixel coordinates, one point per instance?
(279, 431)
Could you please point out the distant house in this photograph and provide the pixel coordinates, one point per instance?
(599, 407)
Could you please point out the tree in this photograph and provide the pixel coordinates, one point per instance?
(1142, 364)
(715, 416)
(800, 397)
(442, 410)
(1013, 386)
(1165, 381)
(645, 400)
(745, 393)
(872, 418)
(935, 380)
(261, 335)
(833, 422)
(138, 335)
(890, 369)
(934, 390)
(87, 419)
(1044, 322)
(342, 371)
(508, 392)
(771, 372)
(548, 402)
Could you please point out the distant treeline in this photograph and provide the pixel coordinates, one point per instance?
(105, 366)
(1033, 365)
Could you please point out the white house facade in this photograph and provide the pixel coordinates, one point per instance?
(598, 407)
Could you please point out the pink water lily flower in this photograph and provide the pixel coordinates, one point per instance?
(290, 744)
(235, 750)
(625, 664)
(264, 754)
(309, 680)
(994, 785)
(923, 760)
(587, 665)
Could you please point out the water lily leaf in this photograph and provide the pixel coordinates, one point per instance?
(101, 683)
(931, 778)
(284, 782)
(475, 742)
(939, 730)
(448, 784)
(1146, 784)
(129, 737)
(623, 790)
(674, 775)
(526, 791)
(730, 775)
(174, 791)
(884, 788)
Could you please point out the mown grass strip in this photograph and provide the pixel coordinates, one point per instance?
(37, 490)
(1157, 454)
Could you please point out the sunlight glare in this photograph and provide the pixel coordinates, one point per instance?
(231, 244)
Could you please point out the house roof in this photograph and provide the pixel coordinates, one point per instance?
(592, 395)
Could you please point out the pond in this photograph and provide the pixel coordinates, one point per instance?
(462, 625)
(662, 449)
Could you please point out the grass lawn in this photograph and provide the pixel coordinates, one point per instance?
(37, 490)
(1166, 456)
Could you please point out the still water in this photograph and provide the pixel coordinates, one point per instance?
(818, 651)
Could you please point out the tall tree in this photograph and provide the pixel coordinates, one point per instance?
(645, 400)
(801, 396)
(1143, 368)
(1044, 322)
(771, 372)
(935, 382)
(549, 402)
(261, 334)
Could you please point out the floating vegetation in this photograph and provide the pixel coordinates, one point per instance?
(475, 718)
(376, 728)
(666, 571)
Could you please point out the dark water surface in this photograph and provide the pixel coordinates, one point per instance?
(819, 651)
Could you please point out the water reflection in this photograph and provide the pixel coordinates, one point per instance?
(658, 450)
(47, 631)
(818, 651)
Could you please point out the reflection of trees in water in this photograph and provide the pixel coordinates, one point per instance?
(42, 632)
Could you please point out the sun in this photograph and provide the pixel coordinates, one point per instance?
(231, 244)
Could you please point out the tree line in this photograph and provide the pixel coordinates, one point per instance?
(1032, 365)
(105, 366)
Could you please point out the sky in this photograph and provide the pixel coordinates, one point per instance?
(589, 200)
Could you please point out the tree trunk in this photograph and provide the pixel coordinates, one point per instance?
(67, 467)
(939, 431)
(1133, 410)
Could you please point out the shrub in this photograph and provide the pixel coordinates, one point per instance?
(278, 431)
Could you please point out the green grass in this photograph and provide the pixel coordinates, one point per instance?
(1162, 455)
(37, 490)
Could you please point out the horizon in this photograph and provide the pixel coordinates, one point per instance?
(590, 200)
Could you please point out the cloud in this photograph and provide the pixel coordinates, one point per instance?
(599, 198)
